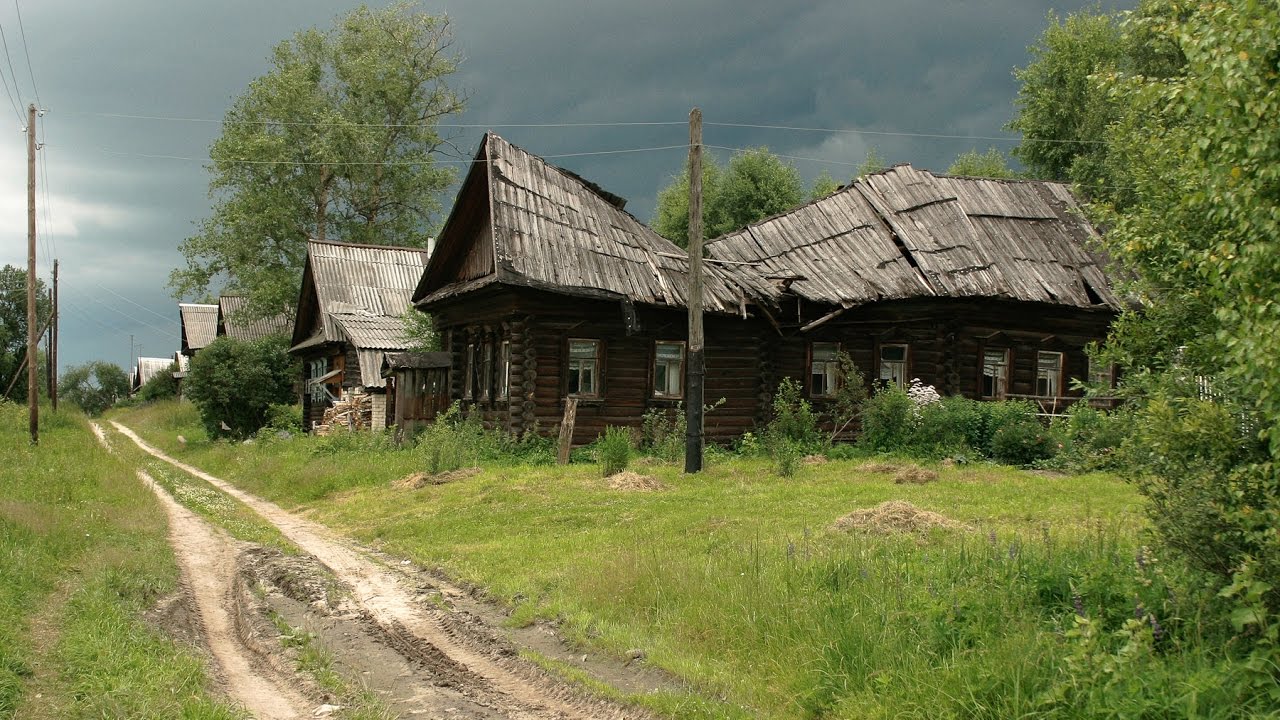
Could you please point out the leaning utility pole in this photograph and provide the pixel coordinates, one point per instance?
(53, 344)
(33, 385)
(695, 359)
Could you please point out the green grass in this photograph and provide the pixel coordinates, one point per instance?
(83, 552)
(734, 580)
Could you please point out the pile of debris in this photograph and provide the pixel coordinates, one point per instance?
(352, 411)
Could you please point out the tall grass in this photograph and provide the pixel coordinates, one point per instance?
(83, 552)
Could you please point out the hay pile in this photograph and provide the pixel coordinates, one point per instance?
(627, 480)
(814, 460)
(895, 517)
(914, 475)
(413, 481)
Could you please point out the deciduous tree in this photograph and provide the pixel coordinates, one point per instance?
(94, 386)
(336, 142)
(13, 325)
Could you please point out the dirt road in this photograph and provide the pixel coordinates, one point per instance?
(471, 672)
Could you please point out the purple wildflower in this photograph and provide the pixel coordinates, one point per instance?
(1157, 630)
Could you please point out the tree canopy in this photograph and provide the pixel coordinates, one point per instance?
(336, 142)
(94, 386)
(990, 164)
(234, 383)
(755, 184)
(13, 324)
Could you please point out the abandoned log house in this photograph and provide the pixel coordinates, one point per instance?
(542, 288)
(234, 322)
(982, 288)
(350, 312)
(199, 326)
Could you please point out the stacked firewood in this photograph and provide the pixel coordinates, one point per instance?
(353, 411)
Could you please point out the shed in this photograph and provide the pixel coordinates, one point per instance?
(418, 389)
(350, 312)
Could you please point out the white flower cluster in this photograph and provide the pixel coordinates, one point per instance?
(922, 394)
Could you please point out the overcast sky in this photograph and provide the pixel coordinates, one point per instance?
(118, 205)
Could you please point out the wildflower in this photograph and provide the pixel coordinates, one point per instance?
(1157, 631)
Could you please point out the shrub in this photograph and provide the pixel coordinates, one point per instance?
(450, 442)
(234, 382)
(284, 417)
(1091, 438)
(662, 432)
(888, 419)
(947, 427)
(94, 386)
(1019, 437)
(793, 418)
(614, 450)
(787, 455)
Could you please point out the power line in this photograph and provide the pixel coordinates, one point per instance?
(21, 120)
(428, 161)
(166, 318)
(118, 311)
(452, 126)
(26, 52)
(9, 62)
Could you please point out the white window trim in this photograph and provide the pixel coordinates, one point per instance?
(504, 371)
(1002, 382)
(680, 372)
(1054, 381)
(906, 355)
(596, 392)
(830, 372)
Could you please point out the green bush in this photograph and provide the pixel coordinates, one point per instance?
(793, 418)
(1020, 438)
(94, 386)
(284, 417)
(234, 382)
(451, 442)
(1091, 438)
(163, 385)
(951, 425)
(888, 420)
(787, 455)
(662, 432)
(614, 450)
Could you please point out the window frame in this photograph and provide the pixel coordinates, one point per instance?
(469, 372)
(316, 391)
(680, 370)
(1000, 386)
(597, 375)
(903, 381)
(1107, 376)
(830, 372)
(1055, 381)
(485, 384)
(503, 391)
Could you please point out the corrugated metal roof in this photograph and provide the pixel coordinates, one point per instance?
(906, 233)
(552, 229)
(231, 320)
(199, 325)
(365, 280)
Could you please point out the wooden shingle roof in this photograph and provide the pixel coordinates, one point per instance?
(199, 325)
(548, 228)
(907, 233)
(232, 323)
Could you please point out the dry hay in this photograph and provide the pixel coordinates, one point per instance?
(914, 475)
(627, 480)
(893, 517)
(879, 468)
(814, 460)
(413, 481)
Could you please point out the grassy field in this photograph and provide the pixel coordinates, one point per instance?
(83, 553)
(736, 581)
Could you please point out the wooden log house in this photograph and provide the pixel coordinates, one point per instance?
(350, 314)
(544, 288)
(982, 288)
(199, 324)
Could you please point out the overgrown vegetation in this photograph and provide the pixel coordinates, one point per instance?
(83, 552)
(94, 386)
(235, 382)
(614, 450)
(163, 385)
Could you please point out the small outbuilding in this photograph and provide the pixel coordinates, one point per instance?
(418, 388)
(350, 313)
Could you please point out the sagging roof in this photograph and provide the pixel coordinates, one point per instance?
(357, 294)
(199, 325)
(519, 220)
(149, 367)
(231, 321)
(907, 233)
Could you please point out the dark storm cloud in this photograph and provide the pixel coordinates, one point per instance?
(918, 66)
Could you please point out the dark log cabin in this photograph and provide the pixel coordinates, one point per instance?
(982, 288)
(349, 315)
(544, 288)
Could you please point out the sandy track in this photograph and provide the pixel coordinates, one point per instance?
(207, 560)
(456, 655)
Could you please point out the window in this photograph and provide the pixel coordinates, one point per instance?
(823, 367)
(584, 368)
(893, 364)
(469, 373)
(504, 370)
(316, 370)
(668, 369)
(995, 372)
(486, 370)
(1049, 374)
(1101, 374)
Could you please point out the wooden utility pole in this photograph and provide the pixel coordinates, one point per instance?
(33, 384)
(53, 344)
(695, 357)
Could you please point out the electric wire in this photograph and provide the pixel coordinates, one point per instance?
(21, 120)
(30, 71)
(166, 318)
(427, 161)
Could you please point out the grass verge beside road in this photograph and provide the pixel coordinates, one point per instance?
(83, 553)
(736, 581)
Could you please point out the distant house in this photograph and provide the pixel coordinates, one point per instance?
(350, 313)
(147, 368)
(982, 288)
(199, 326)
(542, 288)
(233, 324)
